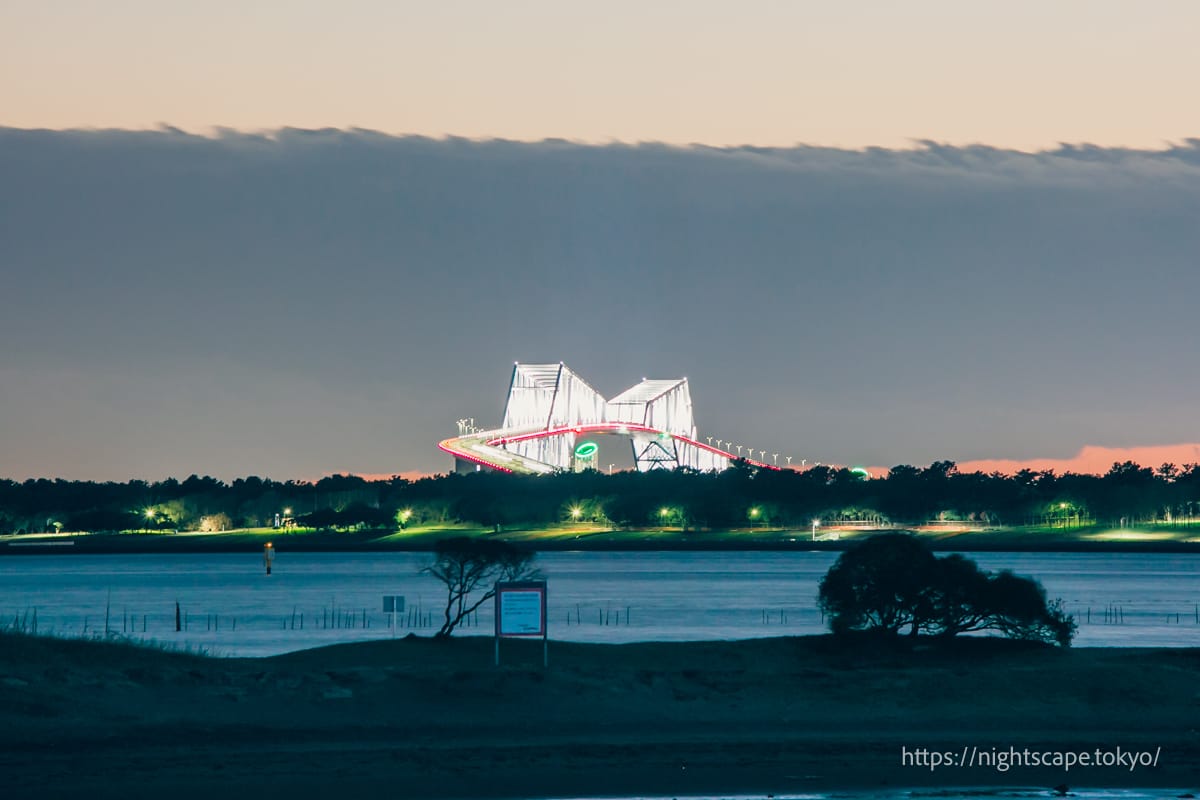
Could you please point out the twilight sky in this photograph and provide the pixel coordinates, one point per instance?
(292, 303)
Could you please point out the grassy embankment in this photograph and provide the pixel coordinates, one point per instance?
(425, 718)
(575, 536)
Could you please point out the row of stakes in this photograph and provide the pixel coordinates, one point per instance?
(604, 616)
(331, 618)
(1115, 615)
(334, 617)
(417, 618)
(357, 618)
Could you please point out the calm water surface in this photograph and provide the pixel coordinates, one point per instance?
(939, 794)
(232, 608)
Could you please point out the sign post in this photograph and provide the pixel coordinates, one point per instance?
(521, 613)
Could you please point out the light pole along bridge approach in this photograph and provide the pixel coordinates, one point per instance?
(551, 411)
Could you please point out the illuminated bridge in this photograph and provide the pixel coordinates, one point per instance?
(553, 416)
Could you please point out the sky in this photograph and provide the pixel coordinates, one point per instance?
(855, 73)
(264, 238)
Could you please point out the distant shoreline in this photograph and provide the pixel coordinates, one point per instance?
(1089, 540)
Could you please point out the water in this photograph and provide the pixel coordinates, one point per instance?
(938, 794)
(595, 597)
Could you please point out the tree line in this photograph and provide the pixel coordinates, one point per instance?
(742, 496)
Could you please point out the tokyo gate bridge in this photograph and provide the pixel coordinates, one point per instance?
(552, 414)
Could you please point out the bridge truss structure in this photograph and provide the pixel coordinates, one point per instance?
(550, 410)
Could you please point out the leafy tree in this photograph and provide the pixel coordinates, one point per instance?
(469, 569)
(955, 597)
(104, 521)
(321, 519)
(1019, 609)
(893, 581)
(359, 515)
(880, 584)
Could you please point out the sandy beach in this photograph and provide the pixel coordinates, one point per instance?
(436, 719)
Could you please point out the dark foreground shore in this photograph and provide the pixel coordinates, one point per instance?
(435, 719)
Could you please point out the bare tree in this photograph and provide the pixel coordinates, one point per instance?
(467, 566)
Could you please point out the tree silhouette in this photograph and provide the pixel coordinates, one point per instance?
(469, 569)
(880, 584)
(893, 581)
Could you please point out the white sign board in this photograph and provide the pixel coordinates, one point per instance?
(521, 608)
(521, 612)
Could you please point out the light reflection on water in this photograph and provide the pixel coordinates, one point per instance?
(1133, 599)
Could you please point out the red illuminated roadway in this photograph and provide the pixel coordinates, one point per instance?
(486, 448)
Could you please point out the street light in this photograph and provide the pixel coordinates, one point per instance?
(816, 522)
(576, 513)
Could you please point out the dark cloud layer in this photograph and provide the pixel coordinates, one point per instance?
(311, 301)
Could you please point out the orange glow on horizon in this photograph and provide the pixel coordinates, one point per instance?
(408, 475)
(1093, 459)
(1090, 460)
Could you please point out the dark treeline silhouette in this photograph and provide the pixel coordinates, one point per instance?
(893, 581)
(739, 497)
